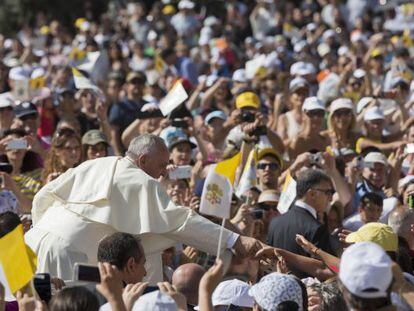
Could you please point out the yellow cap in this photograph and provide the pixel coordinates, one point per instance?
(44, 30)
(79, 21)
(270, 152)
(168, 10)
(376, 232)
(247, 99)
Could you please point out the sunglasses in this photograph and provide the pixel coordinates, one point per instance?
(267, 207)
(271, 166)
(315, 113)
(329, 192)
(65, 132)
(342, 113)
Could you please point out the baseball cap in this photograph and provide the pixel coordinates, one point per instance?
(365, 270)
(215, 114)
(375, 232)
(341, 103)
(363, 102)
(94, 137)
(240, 76)
(174, 136)
(298, 83)
(247, 99)
(18, 73)
(374, 113)
(25, 109)
(270, 152)
(268, 196)
(302, 69)
(359, 73)
(343, 50)
(313, 103)
(329, 33)
(275, 288)
(155, 301)
(376, 157)
(405, 181)
(211, 21)
(232, 292)
(186, 4)
(136, 75)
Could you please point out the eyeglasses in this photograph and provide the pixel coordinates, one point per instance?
(271, 166)
(315, 113)
(329, 192)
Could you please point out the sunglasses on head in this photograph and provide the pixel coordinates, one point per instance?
(65, 132)
(271, 166)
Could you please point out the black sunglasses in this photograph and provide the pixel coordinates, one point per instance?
(271, 166)
(315, 113)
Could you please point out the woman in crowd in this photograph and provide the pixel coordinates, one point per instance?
(94, 145)
(24, 178)
(65, 153)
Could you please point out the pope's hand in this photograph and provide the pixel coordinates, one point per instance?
(247, 247)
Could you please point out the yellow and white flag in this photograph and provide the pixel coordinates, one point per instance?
(248, 178)
(18, 262)
(82, 81)
(288, 194)
(218, 188)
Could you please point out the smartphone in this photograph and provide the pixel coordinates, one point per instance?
(86, 273)
(411, 201)
(17, 144)
(257, 213)
(6, 167)
(181, 172)
(41, 282)
(360, 163)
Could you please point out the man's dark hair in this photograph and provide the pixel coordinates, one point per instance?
(8, 221)
(371, 197)
(117, 248)
(309, 179)
(166, 53)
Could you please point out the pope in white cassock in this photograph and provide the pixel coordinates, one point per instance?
(72, 213)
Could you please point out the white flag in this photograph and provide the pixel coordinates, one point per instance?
(288, 194)
(175, 97)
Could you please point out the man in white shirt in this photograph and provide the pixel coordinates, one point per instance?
(72, 213)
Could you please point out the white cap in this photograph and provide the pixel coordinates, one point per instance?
(302, 69)
(341, 103)
(311, 27)
(155, 301)
(376, 157)
(149, 107)
(240, 76)
(328, 34)
(363, 102)
(210, 21)
(405, 181)
(298, 83)
(323, 49)
(365, 270)
(18, 74)
(233, 292)
(358, 36)
(298, 47)
(268, 196)
(313, 103)
(343, 50)
(186, 4)
(359, 73)
(374, 113)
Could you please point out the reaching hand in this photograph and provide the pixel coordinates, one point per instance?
(212, 277)
(132, 292)
(111, 282)
(247, 247)
(171, 291)
(305, 244)
(189, 254)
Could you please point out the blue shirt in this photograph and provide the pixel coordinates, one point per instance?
(124, 113)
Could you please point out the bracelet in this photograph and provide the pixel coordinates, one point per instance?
(315, 252)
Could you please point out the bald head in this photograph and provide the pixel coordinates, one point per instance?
(186, 279)
(400, 220)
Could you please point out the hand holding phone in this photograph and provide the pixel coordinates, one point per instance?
(181, 172)
(86, 273)
(17, 144)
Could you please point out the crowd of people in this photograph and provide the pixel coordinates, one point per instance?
(315, 96)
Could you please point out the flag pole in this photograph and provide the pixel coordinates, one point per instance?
(220, 237)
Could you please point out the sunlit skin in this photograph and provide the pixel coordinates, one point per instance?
(375, 174)
(96, 151)
(70, 153)
(181, 154)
